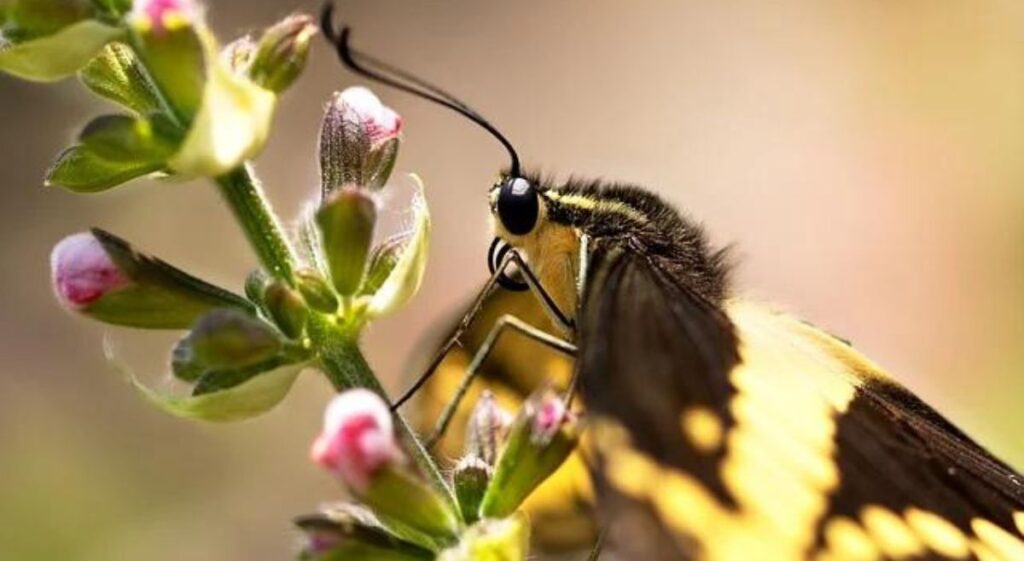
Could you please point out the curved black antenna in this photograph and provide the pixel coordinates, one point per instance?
(380, 71)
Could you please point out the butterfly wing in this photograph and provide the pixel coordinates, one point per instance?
(795, 448)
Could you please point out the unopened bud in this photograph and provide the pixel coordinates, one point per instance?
(358, 141)
(541, 437)
(228, 338)
(358, 438)
(102, 276)
(358, 444)
(346, 221)
(287, 307)
(487, 428)
(282, 52)
(470, 479)
(316, 291)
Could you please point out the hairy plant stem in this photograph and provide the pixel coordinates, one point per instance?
(346, 368)
(242, 191)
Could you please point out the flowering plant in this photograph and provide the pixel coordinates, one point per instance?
(186, 107)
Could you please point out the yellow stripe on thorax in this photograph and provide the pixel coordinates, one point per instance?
(595, 204)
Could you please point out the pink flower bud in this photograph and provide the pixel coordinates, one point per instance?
(82, 271)
(358, 438)
(550, 415)
(380, 122)
(161, 16)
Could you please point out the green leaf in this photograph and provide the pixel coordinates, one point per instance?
(23, 20)
(407, 274)
(158, 296)
(351, 531)
(117, 75)
(257, 395)
(232, 338)
(56, 56)
(81, 170)
(122, 138)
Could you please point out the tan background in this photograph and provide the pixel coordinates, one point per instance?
(864, 157)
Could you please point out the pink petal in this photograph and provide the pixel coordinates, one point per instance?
(82, 272)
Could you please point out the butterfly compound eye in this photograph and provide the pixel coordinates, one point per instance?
(518, 206)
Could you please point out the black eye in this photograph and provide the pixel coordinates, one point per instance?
(518, 206)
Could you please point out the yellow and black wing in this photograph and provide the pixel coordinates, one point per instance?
(561, 510)
(788, 446)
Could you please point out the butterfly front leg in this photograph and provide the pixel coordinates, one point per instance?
(504, 323)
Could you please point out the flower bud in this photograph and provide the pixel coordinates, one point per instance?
(506, 539)
(228, 338)
(100, 275)
(358, 141)
(358, 444)
(346, 221)
(470, 479)
(358, 438)
(282, 52)
(287, 307)
(541, 437)
(487, 428)
(382, 261)
(316, 291)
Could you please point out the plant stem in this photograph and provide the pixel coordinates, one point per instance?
(242, 191)
(346, 368)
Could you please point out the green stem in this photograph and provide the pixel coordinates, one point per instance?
(346, 368)
(243, 193)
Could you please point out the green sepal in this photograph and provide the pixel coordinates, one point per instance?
(346, 221)
(81, 170)
(256, 395)
(159, 295)
(411, 508)
(128, 139)
(349, 531)
(505, 539)
(50, 58)
(116, 74)
(217, 380)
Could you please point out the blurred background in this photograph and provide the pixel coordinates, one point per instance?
(864, 157)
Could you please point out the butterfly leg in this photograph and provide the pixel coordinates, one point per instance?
(503, 324)
(534, 285)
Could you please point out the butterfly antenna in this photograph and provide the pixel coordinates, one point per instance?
(384, 73)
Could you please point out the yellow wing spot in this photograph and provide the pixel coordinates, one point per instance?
(890, 532)
(939, 534)
(1018, 519)
(1001, 542)
(703, 427)
(983, 552)
(847, 540)
(631, 472)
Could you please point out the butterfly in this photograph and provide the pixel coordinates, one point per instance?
(719, 428)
